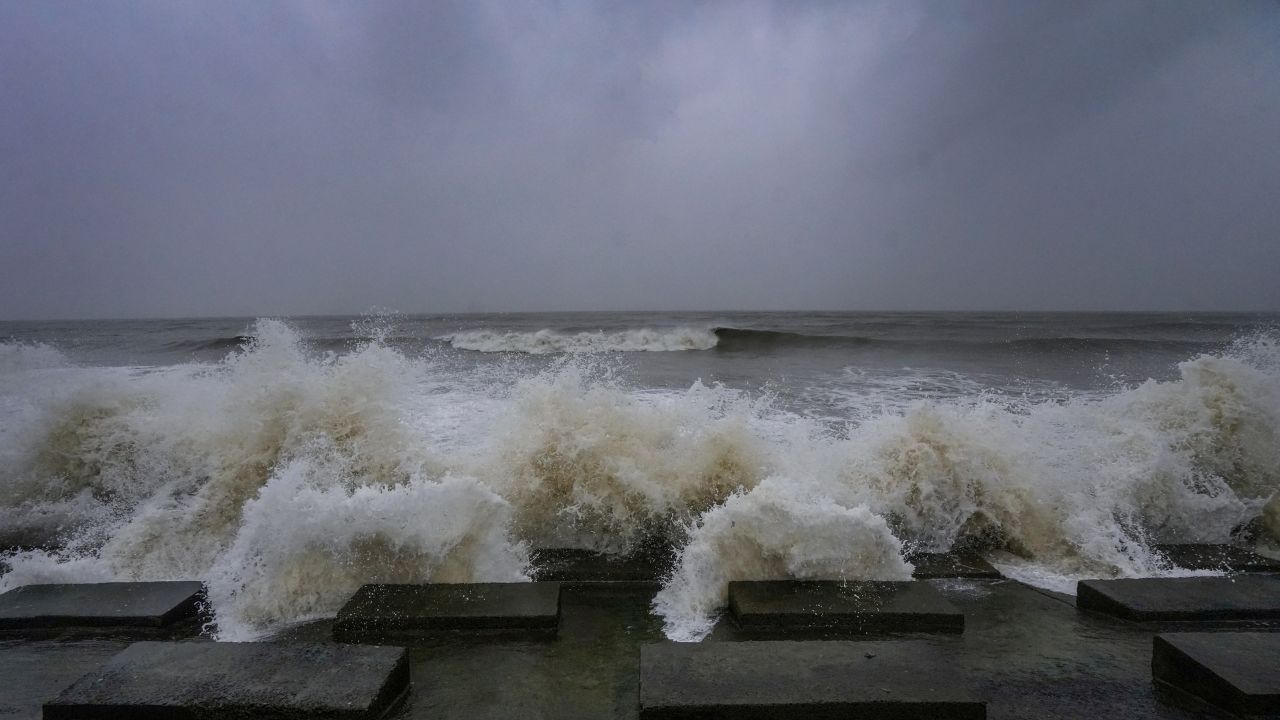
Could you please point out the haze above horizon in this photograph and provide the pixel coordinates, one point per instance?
(239, 158)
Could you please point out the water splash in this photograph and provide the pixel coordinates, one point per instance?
(286, 477)
(550, 341)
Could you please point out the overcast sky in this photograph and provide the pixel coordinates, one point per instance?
(248, 157)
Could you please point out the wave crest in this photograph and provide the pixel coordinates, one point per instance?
(589, 465)
(774, 532)
(549, 341)
(305, 546)
(286, 477)
(18, 357)
(167, 472)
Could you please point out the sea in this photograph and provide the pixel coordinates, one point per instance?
(287, 461)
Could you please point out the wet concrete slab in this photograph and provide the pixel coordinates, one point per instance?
(788, 679)
(590, 671)
(133, 609)
(1032, 656)
(33, 672)
(1029, 656)
(929, 566)
(1225, 558)
(1188, 599)
(1238, 671)
(860, 607)
(275, 681)
(407, 612)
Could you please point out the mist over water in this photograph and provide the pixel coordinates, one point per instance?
(289, 462)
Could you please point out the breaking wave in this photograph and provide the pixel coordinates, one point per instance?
(777, 531)
(286, 477)
(336, 343)
(588, 464)
(223, 474)
(731, 339)
(224, 344)
(20, 356)
(552, 341)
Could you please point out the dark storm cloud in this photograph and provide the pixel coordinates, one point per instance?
(250, 158)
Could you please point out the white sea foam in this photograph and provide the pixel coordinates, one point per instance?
(588, 464)
(21, 356)
(777, 531)
(1076, 489)
(862, 394)
(550, 341)
(285, 478)
(177, 474)
(307, 543)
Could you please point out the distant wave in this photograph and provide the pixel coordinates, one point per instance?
(726, 339)
(230, 342)
(235, 342)
(553, 341)
(22, 356)
(641, 340)
(736, 339)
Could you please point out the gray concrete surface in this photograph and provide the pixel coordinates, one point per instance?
(1238, 671)
(855, 607)
(33, 672)
(270, 681)
(1191, 599)
(1029, 654)
(758, 680)
(409, 612)
(138, 609)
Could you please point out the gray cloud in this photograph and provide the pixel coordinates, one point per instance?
(162, 158)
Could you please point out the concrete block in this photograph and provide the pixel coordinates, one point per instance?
(1238, 671)
(405, 612)
(755, 680)
(1200, 599)
(1227, 558)
(952, 565)
(856, 606)
(140, 608)
(205, 680)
